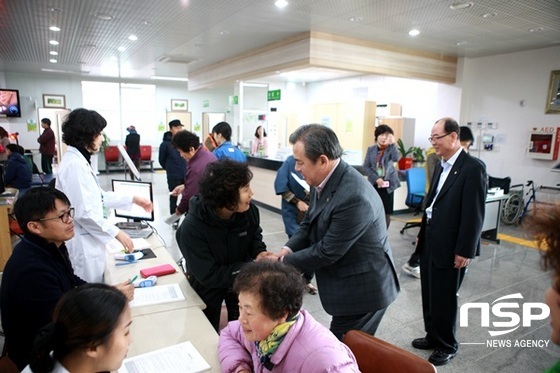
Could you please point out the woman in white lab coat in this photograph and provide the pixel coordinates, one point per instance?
(81, 131)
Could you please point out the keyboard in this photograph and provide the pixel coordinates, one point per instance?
(138, 233)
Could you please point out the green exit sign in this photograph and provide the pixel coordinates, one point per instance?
(274, 95)
(233, 100)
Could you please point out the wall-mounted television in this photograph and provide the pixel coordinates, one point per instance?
(9, 103)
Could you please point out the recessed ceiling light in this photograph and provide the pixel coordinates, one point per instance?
(456, 6)
(52, 60)
(53, 42)
(461, 43)
(537, 29)
(147, 23)
(224, 33)
(104, 17)
(121, 49)
(356, 19)
(489, 15)
(54, 28)
(132, 37)
(281, 3)
(55, 10)
(53, 53)
(414, 32)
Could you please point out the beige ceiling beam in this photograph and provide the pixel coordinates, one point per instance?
(316, 49)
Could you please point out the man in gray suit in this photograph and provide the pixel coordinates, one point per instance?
(343, 237)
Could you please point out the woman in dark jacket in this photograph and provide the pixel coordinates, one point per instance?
(221, 233)
(17, 174)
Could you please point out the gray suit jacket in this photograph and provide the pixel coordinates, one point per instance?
(343, 238)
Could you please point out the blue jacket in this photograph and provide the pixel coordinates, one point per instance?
(17, 172)
(285, 182)
(227, 150)
(36, 276)
(170, 159)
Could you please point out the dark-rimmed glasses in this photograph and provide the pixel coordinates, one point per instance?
(64, 217)
(433, 139)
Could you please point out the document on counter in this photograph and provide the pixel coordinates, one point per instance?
(116, 247)
(157, 295)
(180, 358)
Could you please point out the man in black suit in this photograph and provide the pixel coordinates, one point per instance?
(449, 237)
(343, 237)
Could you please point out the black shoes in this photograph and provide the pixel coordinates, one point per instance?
(175, 225)
(423, 344)
(439, 357)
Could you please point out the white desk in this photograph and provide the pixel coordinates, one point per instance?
(492, 214)
(115, 275)
(163, 325)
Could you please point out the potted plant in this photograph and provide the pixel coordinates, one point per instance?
(405, 162)
(418, 155)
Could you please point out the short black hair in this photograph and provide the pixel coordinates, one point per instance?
(185, 140)
(81, 127)
(36, 203)
(279, 286)
(381, 129)
(224, 129)
(318, 140)
(15, 148)
(450, 125)
(221, 181)
(466, 134)
(47, 121)
(175, 123)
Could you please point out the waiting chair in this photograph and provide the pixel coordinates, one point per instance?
(416, 184)
(112, 157)
(146, 156)
(376, 355)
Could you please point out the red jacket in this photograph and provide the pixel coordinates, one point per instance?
(47, 142)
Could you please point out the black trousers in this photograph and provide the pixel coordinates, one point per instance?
(367, 322)
(171, 184)
(46, 163)
(213, 299)
(439, 302)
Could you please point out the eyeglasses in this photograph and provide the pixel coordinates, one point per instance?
(433, 139)
(64, 217)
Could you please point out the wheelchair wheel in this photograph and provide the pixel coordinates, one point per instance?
(512, 208)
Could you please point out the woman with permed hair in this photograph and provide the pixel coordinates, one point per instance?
(90, 332)
(544, 225)
(273, 333)
(220, 234)
(82, 132)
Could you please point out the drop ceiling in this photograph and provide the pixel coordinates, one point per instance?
(178, 37)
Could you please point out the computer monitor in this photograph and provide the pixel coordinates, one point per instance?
(134, 188)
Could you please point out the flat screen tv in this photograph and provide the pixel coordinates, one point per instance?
(9, 103)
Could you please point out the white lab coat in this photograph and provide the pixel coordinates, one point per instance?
(92, 231)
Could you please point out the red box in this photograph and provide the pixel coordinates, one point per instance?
(161, 270)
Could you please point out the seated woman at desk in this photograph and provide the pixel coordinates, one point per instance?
(260, 143)
(220, 234)
(273, 332)
(90, 332)
(17, 173)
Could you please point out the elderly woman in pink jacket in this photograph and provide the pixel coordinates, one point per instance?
(273, 334)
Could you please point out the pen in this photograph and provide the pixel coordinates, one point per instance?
(133, 279)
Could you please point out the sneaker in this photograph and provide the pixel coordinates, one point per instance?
(311, 289)
(413, 271)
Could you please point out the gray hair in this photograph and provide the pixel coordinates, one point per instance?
(318, 140)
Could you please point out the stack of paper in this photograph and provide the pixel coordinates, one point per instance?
(157, 295)
(181, 358)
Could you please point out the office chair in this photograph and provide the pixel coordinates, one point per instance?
(376, 355)
(146, 156)
(416, 184)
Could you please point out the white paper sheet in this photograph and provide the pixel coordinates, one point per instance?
(300, 181)
(180, 358)
(157, 295)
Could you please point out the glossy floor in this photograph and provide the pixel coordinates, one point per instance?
(502, 269)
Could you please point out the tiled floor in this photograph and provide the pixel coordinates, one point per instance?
(502, 269)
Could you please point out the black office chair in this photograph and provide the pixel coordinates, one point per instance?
(416, 183)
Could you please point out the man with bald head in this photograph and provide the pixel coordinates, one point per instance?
(449, 237)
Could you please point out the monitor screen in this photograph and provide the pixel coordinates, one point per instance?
(134, 188)
(9, 103)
